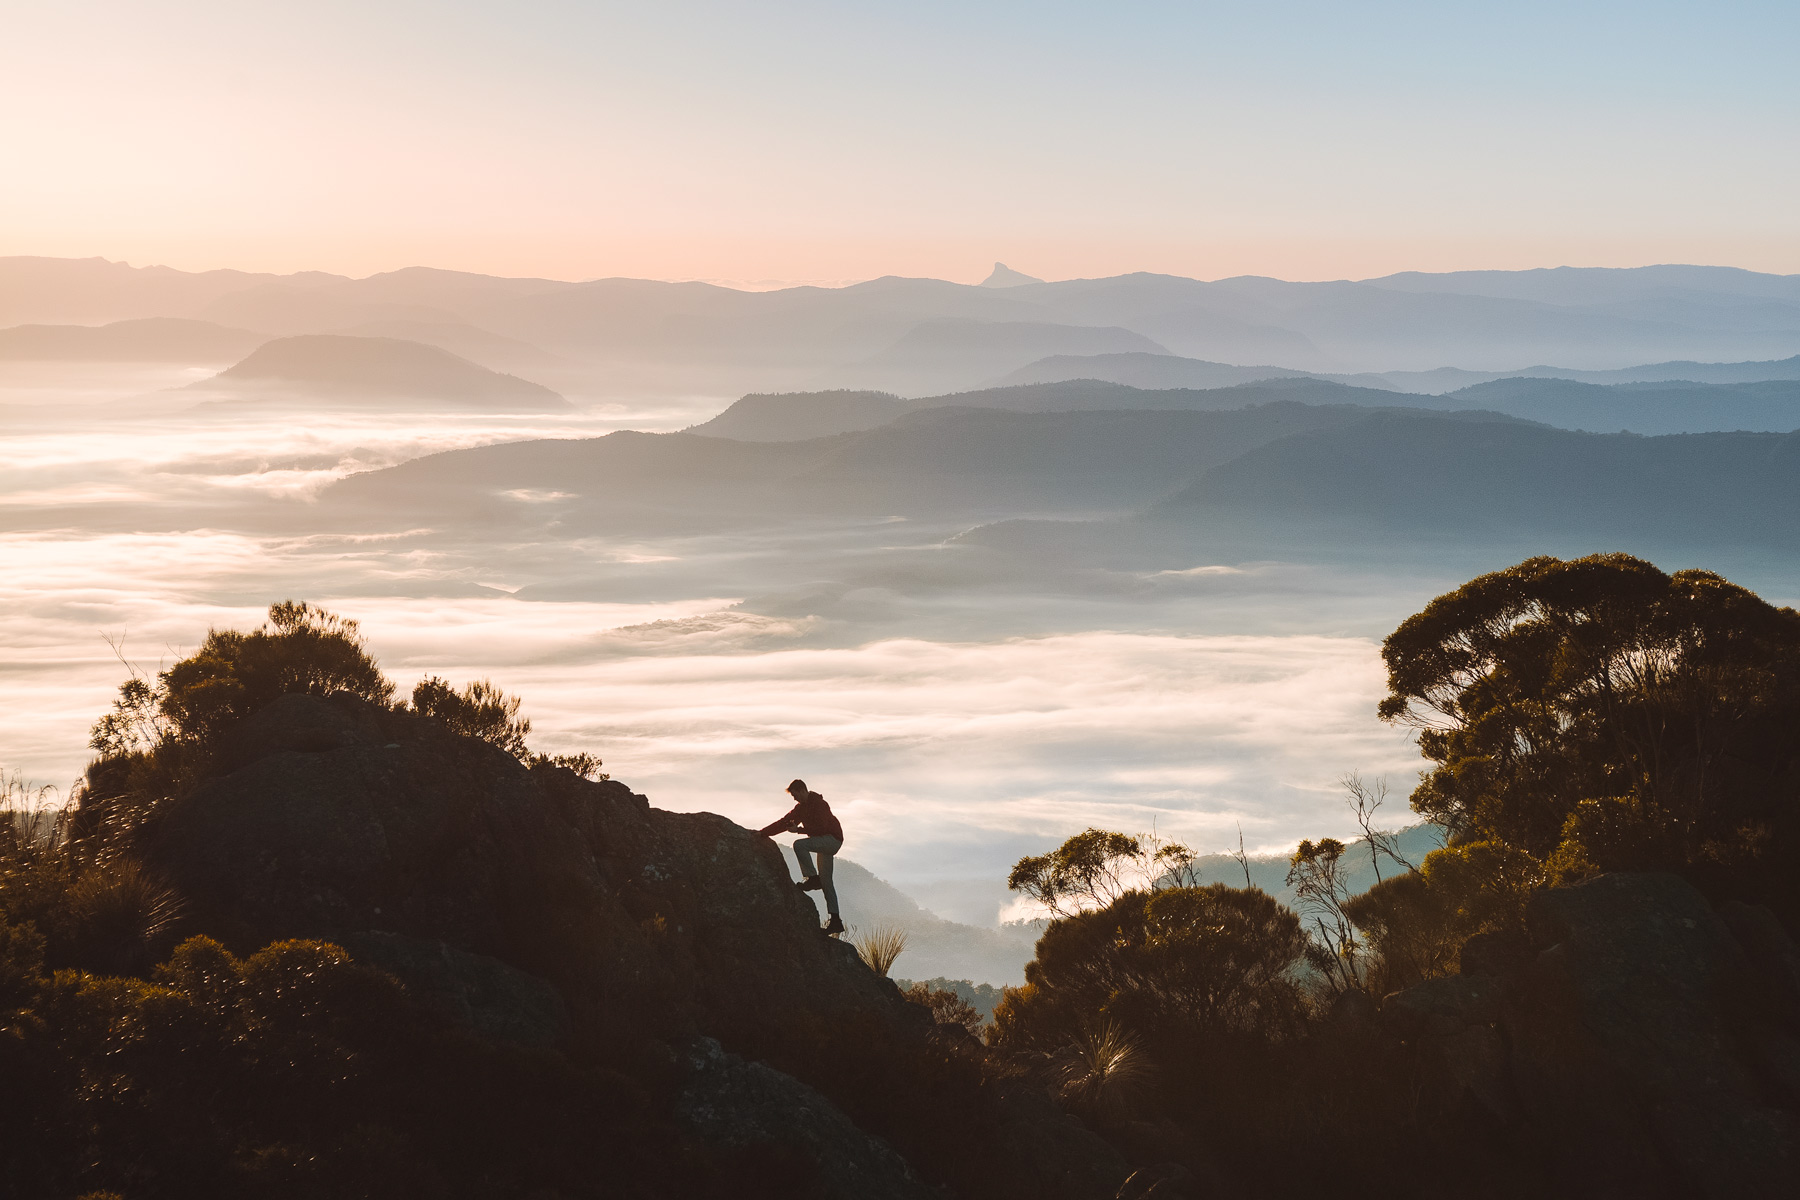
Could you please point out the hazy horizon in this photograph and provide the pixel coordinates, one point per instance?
(974, 273)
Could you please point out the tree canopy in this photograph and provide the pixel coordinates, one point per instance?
(1599, 714)
(1177, 962)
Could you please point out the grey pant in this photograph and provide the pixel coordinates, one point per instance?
(824, 847)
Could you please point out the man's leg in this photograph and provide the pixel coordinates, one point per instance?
(803, 855)
(825, 857)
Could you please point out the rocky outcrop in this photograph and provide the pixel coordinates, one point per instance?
(748, 1104)
(1640, 1041)
(475, 991)
(539, 907)
(339, 818)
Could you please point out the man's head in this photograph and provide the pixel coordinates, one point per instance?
(797, 789)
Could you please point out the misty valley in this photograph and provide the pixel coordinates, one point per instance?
(468, 626)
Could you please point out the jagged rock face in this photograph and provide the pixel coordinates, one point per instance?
(1637, 1041)
(340, 818)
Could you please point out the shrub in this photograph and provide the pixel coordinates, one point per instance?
(120, 916)
(296, 1072)
(21, 968)
(582, 763)
(1417, 923)
(1187, 962)
(479, 710)
(1102, 1070)
(947, 1008)
(160, 737)
(95, 907)
(299, 649)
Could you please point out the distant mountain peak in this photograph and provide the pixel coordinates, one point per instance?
(1005, 276)
(323, 365)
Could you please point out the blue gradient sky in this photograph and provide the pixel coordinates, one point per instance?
(839, 141)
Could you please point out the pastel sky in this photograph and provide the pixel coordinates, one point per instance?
(833, 141)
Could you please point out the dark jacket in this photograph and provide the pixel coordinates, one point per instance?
(811, 816)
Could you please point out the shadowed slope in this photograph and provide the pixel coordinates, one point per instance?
(934, 946)
(1416, 475)
(940, 461)
(816, 414)
(1645, 407)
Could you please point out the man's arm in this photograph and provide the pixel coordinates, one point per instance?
(782, 826)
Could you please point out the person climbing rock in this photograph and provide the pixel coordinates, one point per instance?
(824, 837)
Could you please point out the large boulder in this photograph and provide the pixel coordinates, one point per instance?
(540, 907)
(1636, 1042)
(475, 991)
(743, 1104)
(340, 817)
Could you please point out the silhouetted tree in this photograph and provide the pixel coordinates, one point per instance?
(1192, 960)
(1598, 714)
(1320, 879)
(1097, 866)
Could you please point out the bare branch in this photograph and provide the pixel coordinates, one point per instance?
(1364, 800)
(1243, 859)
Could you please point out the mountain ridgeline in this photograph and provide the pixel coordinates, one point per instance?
(1771, 406)
(926, 336)
(146, 339)
(1298, 462)
(1161, 371)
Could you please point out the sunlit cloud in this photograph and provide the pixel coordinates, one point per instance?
(1201, 572)
(536, 495)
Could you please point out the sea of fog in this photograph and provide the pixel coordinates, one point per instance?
(954, 728)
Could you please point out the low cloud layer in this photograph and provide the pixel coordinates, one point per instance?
(957, 718)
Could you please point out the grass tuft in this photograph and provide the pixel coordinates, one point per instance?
(1102, 1069)
(879, 946)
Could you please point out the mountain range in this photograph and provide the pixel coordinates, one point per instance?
(889, 333)
(941, 463)
(1648, 408)
(1155, 371)
(1265, 478)
(144, 339)
(1432, 476)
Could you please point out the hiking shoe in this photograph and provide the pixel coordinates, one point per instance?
(835, 925)
(809, 884)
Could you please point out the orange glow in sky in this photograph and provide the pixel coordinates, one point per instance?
(822, 142)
